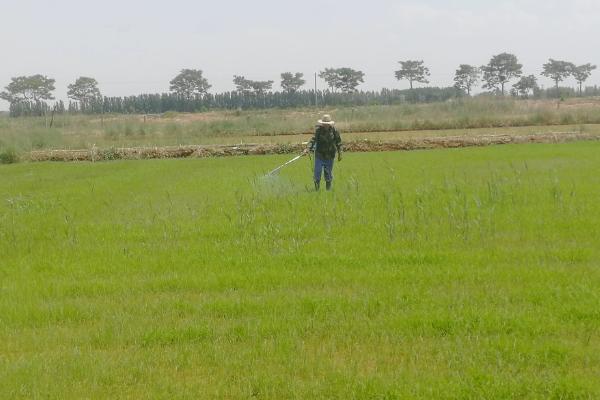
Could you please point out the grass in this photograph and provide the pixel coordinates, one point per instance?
(83, 132)
(465, 273)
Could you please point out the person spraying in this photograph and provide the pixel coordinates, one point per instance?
(325, 144)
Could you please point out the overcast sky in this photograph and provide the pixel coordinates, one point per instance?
(135, 46)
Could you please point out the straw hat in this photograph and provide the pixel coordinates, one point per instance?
(326, 120)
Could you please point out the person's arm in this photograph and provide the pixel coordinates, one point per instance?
(338, 144)
(312, 143)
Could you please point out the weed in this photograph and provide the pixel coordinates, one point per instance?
(8, 156)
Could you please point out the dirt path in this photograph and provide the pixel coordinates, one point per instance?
(136, 153)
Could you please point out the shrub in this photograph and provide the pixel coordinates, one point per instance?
(8, 156)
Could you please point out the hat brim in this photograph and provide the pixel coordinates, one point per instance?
(321, 122)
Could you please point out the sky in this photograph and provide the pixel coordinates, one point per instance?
(133, 46)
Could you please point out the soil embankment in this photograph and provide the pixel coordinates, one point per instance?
(135, 153)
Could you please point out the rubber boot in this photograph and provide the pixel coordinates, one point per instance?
(317, 185)
(328, 185)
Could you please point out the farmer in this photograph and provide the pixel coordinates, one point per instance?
(325, 143)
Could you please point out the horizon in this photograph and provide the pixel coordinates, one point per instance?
(141, 48)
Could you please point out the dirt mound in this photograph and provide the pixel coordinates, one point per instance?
(139, 153)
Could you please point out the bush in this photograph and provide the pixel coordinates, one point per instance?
(8, 156)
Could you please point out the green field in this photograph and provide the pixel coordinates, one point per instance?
(447, 274)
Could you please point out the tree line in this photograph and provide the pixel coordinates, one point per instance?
(161, 103)
(189, 90)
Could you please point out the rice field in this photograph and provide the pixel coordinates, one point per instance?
(446, 274)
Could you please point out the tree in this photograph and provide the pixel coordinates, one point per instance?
(84, 90)
(525, 85)
(247, 86)
(331, 76)
(466, 77)
(413, 71)
(581, 74)
(344, 79)
(29, 88)
(290, 83)
(189, 83)
(558, 71)
(261, 87)
(349, 79)
(242, 85)
(501, 70)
